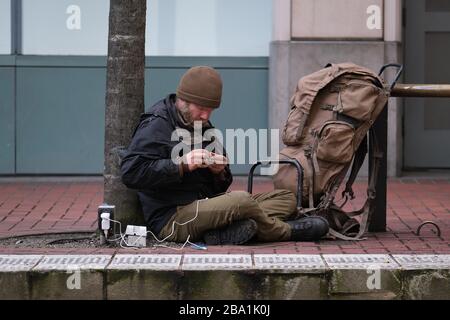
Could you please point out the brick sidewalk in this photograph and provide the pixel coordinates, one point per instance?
(33, 207)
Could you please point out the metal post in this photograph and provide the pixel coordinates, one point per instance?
(378, 219)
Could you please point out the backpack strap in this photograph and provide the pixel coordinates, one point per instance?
(308, 155)
(369, 206)
(358, 161)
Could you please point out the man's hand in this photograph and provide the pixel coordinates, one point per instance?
(197, 158)
(201, 158)
(218, 163)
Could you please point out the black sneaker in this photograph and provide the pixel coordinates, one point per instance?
(308, 229)
(238, 232)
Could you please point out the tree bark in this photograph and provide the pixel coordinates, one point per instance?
(124, 100)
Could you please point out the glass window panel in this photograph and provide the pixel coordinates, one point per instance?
(174, 27)
(5, 26)
(209, 27)
(65, 27)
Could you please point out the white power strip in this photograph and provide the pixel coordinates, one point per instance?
(136, 236)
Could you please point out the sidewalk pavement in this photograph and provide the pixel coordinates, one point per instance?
(50, 205)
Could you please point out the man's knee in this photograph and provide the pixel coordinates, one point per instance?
(285, 193)
(240, 196)
(288, 197)
(244, 202)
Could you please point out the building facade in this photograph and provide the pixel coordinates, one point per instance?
(53, 70)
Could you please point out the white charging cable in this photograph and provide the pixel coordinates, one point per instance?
(105, 216)
(173, 230)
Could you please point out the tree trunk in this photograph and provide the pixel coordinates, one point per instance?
(124, 100)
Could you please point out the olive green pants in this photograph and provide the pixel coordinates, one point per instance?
(268, 209)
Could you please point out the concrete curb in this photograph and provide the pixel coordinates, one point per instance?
(228, 276)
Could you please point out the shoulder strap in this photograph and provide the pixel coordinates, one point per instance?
(358, 161)
(369, 206)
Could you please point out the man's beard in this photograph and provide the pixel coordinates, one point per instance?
(186, 114)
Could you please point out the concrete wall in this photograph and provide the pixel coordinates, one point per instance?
(224, 277)
(343, 19)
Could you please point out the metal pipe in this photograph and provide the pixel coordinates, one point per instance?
(293, 162)
(421, 90)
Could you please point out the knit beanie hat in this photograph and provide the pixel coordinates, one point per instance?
(201, 85)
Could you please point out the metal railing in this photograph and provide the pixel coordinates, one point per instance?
(378, 221)
(421, 90)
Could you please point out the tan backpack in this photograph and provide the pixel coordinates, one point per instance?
(331, 113)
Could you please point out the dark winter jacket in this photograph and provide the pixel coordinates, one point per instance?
(147, 166)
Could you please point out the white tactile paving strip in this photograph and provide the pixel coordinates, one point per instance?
(11, 263)
(217, 262)
(146, 262)
(407, 261)
(169, 262)
(289, 262)
(360, 261)
(73, 262)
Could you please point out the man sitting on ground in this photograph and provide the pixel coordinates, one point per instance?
(186, 198)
